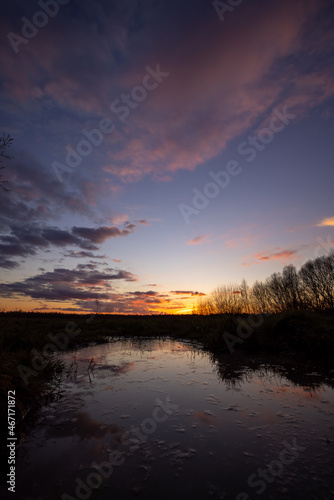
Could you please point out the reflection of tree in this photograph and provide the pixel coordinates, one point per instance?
(239, 370)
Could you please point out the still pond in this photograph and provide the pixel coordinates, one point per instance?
(148, 419)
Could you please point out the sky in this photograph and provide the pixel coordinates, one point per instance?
(161, 149)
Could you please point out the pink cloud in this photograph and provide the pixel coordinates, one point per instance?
(281, 255)
(197, 241)
(239, 87)
(191, 117)
(143, 222)
(119, 218)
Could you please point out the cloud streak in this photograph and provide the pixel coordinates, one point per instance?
(329, 221)
(280, 255)
(197, 241)
(23, 241)
(67, 284)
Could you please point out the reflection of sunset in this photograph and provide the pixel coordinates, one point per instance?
(267, 417)
(120, 369)
(300, 392)
(125, 368)
(304, 393)
(85, 427)
(204, 417)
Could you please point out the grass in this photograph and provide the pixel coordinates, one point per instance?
(306, 332)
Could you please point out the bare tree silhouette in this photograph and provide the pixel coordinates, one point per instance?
(309, 289)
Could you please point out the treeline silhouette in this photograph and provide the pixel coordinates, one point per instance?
(309, 289)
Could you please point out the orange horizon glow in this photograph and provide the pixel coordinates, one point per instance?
(12, 306)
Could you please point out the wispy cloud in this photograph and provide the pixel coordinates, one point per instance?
(198, 240)
(85, 282)
(83, 254)
(144, 294)
(329, 221)
(101, 234)
(280, 255)
(27, 240)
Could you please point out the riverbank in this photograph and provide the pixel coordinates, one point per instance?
(303, 332)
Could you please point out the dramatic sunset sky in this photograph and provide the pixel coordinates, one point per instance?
(162, 148)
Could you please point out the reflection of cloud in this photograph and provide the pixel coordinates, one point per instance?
(125, 368)
(84, 426)
(205, 417)
(117, 369)
(302, 393)
(267, 417)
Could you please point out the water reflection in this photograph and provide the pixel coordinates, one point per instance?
(237, 369)
(83, 426)
(180, 422)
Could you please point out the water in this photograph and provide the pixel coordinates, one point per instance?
(164, 419)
